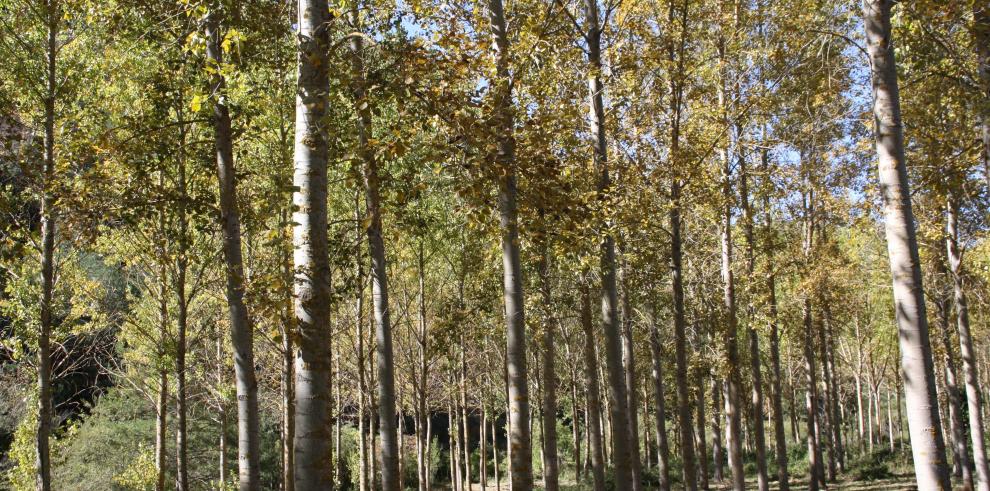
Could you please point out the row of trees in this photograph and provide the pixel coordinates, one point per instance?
(701, 168)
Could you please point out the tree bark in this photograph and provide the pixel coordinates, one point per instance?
(43, 473)
(311, 252)
(551, 470)
(181, 324)
(960, 454)
(756, 402)
(241, 329)
(968, 355)
(717, 459)
(617, 399)
(700, 442)
(780, 438)
(161, 430)
(663, 452)
(520, 440)
(684, 403)
(594, 399)
(981, 38)
(629, 369)
(733, 434)
(379, 275)
(917, 367)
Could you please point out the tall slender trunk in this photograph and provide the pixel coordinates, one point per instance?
(422, 409)
(161, 430)
(833, 406)
(181, 324)
(663, 452)
(594, 415)
(717, 458)
(483, 448)
(780, 438)
(465, 434)
(288, 393)
(756, 401)
(379, 276)
(684, 403)
(621, 452)
(363, 469)
(551, 468)
(495, 462)
(917, 367)
(700, 442)
(960, 454)
(629, 369)
(520, 440)
(43, 476)
(241, 329)
(311, 252)
(890, 423)
(825, 422)
(815, 464)
(575, 428)
(733, 434)
(456, 473)
(968, 355)
(981, 38)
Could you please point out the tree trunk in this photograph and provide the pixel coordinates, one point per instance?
(917, 368)
(422, 409)
(161, 430)
(551, 469)
(968, 354)
(575, 428)
(756, 402)
(43, 476)
(379, 276)
(629, 369)
(833, 407)
(960, 455)
(717, 458)
(594, 416)
(663, 452)
(363, 468)
(826, 424)
(981, 38)
(311, 253)
(733, 434)
(181, 325)
(780, 438)
(617, 399)
(498, 477)
(684, 404)
(815, 464)
(288, 376)
(483, 449)
(464, 419)
(520, 440)
(699, 437)
(241, 330)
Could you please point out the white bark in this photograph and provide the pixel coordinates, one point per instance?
(917, 367)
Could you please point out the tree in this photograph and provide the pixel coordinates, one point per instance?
(311, 261)
(917, 367)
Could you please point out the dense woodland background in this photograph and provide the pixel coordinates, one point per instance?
(263, 244)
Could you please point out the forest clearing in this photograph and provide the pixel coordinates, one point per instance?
(468, 245)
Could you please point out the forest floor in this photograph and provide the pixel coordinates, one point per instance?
(896, 483)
